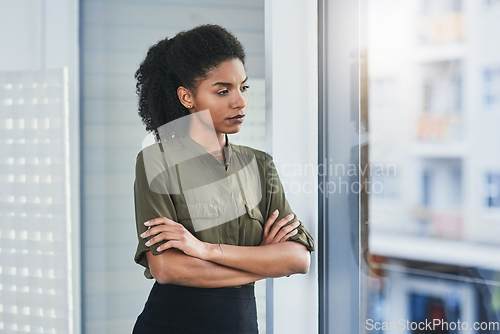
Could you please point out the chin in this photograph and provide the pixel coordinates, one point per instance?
(232, 130)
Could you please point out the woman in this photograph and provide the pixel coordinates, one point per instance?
(211, 216)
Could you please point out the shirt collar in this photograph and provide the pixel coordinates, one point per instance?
(190, 144)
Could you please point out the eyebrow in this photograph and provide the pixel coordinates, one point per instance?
(227, 83)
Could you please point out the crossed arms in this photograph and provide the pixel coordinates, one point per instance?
(190, 262)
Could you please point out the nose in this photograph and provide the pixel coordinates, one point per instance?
(239, 101)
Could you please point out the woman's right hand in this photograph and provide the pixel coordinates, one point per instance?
(279, 232)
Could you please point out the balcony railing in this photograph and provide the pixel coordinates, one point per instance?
(445, 28)
(439, 127)
(441, 223)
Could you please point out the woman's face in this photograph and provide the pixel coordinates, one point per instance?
(224, 94)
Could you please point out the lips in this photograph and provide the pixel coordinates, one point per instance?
(236, 119)
(237, 116)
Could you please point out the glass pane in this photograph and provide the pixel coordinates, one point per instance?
(434, 168)
(38, 79)
(35, 254)
(115, 38)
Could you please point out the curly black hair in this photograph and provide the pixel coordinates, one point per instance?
(183, 60)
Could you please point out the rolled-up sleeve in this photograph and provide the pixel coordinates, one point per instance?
(149, 204)
(276, 200)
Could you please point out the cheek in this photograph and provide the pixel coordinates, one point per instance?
(215, 113)
(213, 102)
(217, 109)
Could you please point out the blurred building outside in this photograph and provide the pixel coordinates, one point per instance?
(434, 108)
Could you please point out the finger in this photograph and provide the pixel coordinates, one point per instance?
(277, 226)
(290, 234)
(161, 237)
(285, 230)
(158, 221)
(157, 229)
(166, 225)
(167, 245)
(269, 222)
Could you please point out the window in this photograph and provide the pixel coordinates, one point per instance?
(492, 3)
(428, 263)
(493, 190)
(39, 193)
(491, 82)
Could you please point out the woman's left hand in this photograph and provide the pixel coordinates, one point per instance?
(177, 236)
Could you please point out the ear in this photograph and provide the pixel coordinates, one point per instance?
(186, 98)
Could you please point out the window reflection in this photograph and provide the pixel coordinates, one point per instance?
(434, 102)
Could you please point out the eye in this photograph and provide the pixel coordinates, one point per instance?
(223, 92)
(244, 88)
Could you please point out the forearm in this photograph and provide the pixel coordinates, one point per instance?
(273, 260)
(175, 267)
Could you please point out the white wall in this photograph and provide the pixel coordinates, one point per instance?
(292, 138)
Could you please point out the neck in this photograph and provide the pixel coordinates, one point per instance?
(221, 139)
(206, 139)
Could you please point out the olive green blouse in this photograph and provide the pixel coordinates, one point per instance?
(218, 203)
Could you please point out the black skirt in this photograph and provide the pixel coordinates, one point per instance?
(174, 309)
